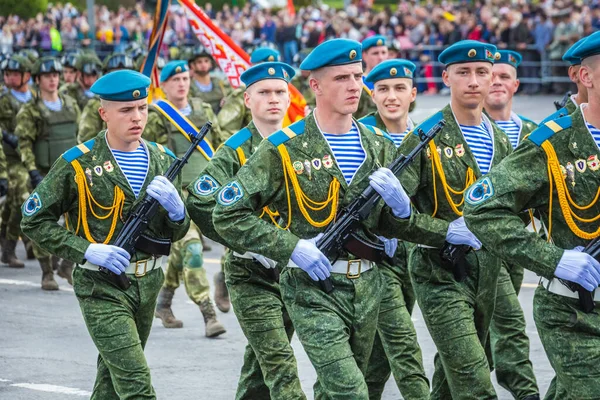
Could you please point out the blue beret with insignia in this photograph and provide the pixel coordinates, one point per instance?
(267, 70)
(589, 47)
(264, 54)
(333, 52)
(173, 68)
(467, 51)
(509, 57)
(122, 85)
(391, 69)
(373, 41)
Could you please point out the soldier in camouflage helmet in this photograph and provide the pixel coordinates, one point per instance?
(89, 69)
(186, 258)
(68, 62)
(91, 123)
(210, 89)
(17, 73)
(46, 128)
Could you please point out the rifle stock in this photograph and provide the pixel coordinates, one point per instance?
(563, 102)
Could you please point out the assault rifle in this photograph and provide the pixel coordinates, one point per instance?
(454, 258)
(563, 102)
(586, 298)
(340, 236)
(131, 235)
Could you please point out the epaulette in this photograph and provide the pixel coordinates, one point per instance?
(368, 120)
(282, 136)
(429, 123)
(526, 119)
(546, 130)
(239, 138)
(164, 149)
(378, 131)
(79, 150)
(555, 115)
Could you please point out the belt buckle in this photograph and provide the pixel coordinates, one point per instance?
(137, 268)
(349, 274)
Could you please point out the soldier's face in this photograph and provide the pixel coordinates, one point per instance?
(177, 87)
(12, 79)
(338, 88)
(49, 82)
(268, 100)
(201, 66)
(393, 97)
(88, 80)
(504, 86)
(374, 56)
(469, 83)
(125, 121)
(69, 75)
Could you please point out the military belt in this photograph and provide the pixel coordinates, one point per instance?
(138, 268)
(351, 268)
(556, 287)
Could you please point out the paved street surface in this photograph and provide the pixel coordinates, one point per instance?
(46, 353)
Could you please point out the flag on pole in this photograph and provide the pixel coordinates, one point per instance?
(156, 37)
(290, 8)
(230, 57)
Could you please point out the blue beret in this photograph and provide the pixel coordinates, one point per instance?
(333, 52)
(390, 69)
(509, 57)
(468, 51)
(568, 56)
(373, 41)
(267, 70)
(122, 85)
(588, 47)
(263, 54)
(173, 68)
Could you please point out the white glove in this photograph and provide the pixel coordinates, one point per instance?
(165, 193)
(459, 234)
(113, 258)
(578, 267)
(391, 245)
(388, 186)
(309, 258)
(264, 261)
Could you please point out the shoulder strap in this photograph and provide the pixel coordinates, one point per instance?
(163, 149)
(74, 152)
(287, 133)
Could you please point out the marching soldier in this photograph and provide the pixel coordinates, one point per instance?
(95, 183)
(46, 128)
(556, 171)
(17, 73)
(508, 341)
(165, 126)
(69, 71)
(573, 100)
(89, 69)
(269, 369)
(211, 90)
(374, 51)
(311, 157)
(91, 123)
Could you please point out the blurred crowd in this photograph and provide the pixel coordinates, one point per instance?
(415, 30)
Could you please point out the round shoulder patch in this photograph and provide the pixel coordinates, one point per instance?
(32, 205)
(205, 185)
(230, 194)
(480, 192)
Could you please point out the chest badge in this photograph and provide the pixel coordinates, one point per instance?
(563, 170)
(298, 167)
(327, 161)
(316, 163)
(98, 170)
(108, 167)
(448, 152)
(580, 166)
(571, 174)
(88, 175)
(308, 169)
(459, 150)
(593, 163)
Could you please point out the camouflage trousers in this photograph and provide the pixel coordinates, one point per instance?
(337, 330)
(119, 323)
(396, 348)
(17, 194)
(571, 339)
(185, 261)
(270, 370)
(508, 342)
(458, 317)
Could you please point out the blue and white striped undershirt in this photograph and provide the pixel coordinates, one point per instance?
(480, 142)
(399, 137)
(347, 151)
(22, 97)
(512, 130)
(54, 105)
(185, 111)
(595, 133)
(204, 88)
(134, 165)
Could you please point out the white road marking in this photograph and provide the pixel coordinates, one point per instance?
(52, 389)
(28, 283)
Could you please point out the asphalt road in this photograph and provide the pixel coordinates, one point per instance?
(46, 353)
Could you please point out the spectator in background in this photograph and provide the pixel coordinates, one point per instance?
(55, 39)
(564, 36)
(6, 40)
(68, 34)
(286, 35)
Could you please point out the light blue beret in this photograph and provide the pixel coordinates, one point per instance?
(589, 47)
(467, 51)
(390, 69)
(509, 57)
(122, 85)
(373, 41)
(333, 52)
(267, 70)
(173, 68)
(263, 54)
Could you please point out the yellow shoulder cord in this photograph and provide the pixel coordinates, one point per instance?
(86, 199)
(271, 214)
(564, 198)
(436, 164)
(302, 199)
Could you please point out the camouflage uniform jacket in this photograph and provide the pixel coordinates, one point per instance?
(75, 91)
(456, 159)
(220, 89)
(90, 122)
(9, 108)
(301, 83)
(59, 193)
(262, 182)
(366, 105)
(374, 119)
(521, 182)
(234, 114)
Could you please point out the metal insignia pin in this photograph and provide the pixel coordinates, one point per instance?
(304, 144)
(571, 173)
(308, 169)
(88, 174)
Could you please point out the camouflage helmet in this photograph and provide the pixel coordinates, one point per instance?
(88, 64)
(17, 62)
(134, 51)
(46, 65)
(31, 54)
(118, 61)
(69, 58)
(191, 54)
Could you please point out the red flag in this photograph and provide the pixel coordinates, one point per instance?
(290, 8)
